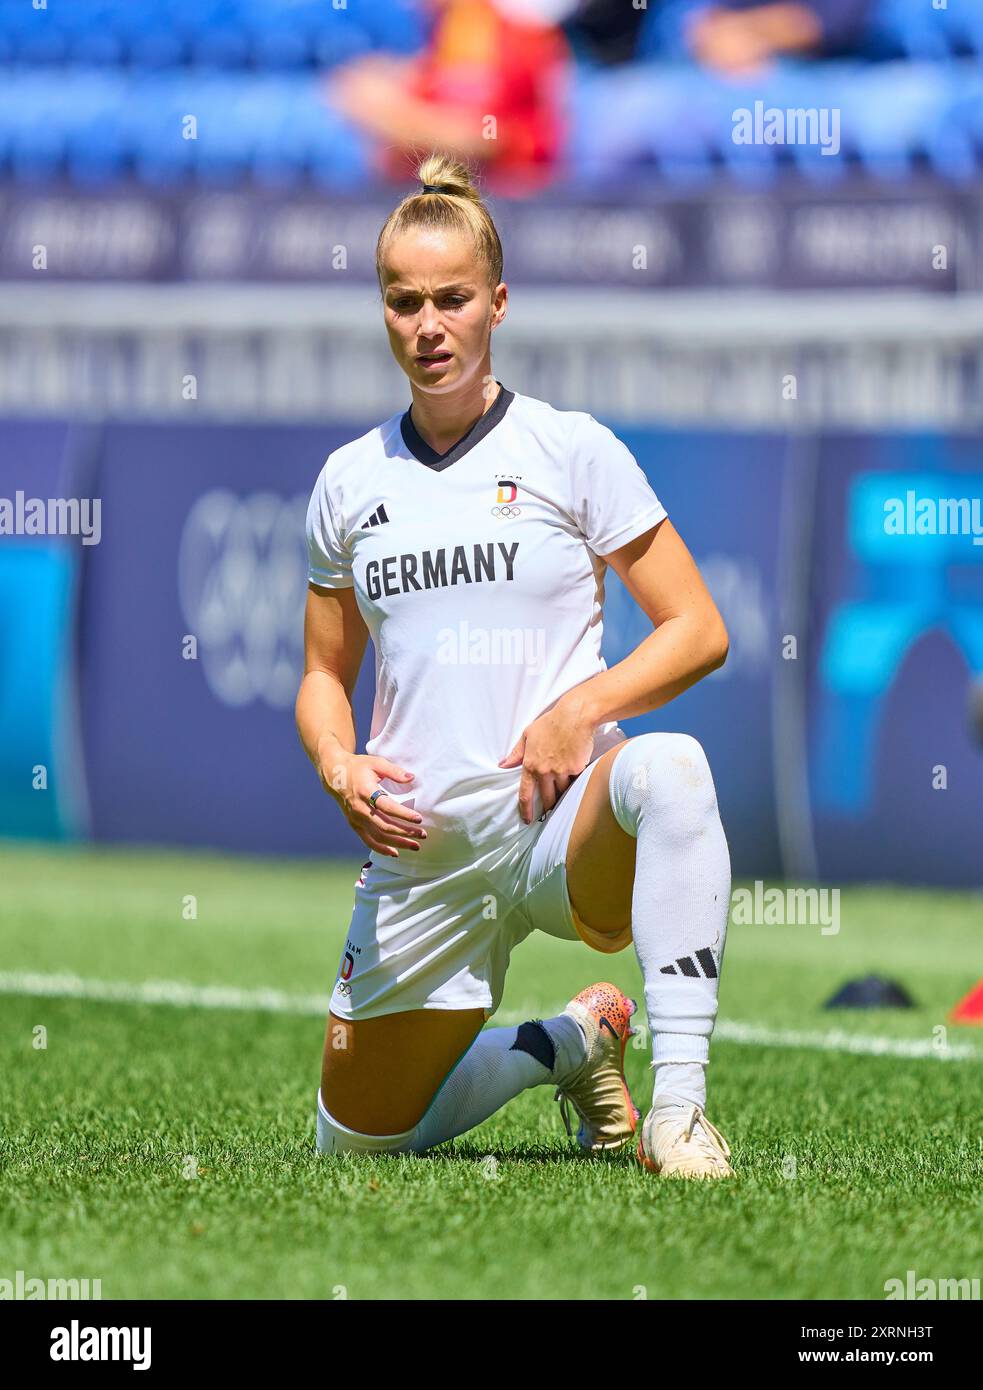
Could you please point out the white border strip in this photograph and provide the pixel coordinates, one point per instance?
(715, 316)
(189, 996)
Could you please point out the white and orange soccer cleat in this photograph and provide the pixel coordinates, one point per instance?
(598, 1092)
(678, 1141)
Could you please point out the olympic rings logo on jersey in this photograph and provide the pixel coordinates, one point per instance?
(507, 493)
(242, 582)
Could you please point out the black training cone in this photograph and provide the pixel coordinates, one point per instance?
(871, 993)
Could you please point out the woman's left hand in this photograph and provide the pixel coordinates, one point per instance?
(552, 750)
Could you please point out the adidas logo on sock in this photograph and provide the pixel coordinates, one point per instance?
(378, 517)
(686, 965)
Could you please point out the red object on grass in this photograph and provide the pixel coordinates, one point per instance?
(970, 1009)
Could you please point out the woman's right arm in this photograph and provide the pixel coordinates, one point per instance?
(335, 637)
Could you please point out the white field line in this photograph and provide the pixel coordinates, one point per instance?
(189, 996)
(177, 992)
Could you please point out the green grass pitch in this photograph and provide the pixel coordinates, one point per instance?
(169, 1151)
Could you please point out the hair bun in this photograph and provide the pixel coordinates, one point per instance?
(438, 173)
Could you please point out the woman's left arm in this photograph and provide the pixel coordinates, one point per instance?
(689, 641)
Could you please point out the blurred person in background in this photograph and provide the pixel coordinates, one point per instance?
(606, 32)
(487, 87)
(742, 36)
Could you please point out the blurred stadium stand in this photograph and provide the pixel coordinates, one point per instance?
(98, 91)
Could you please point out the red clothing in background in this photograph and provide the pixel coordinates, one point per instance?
(485, 64)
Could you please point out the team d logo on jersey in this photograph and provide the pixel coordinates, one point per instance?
(347, 968)
(505, 498)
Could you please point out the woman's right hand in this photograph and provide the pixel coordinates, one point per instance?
(351, 778)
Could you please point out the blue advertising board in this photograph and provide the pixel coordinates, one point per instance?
(896, 753)
(723, 494)
(44, 464)
(193, 613)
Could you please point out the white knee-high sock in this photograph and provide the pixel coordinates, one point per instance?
(662, 793)
(499, 1064)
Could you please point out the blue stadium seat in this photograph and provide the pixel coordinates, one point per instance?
(913, 29)
(90, 36)
(156, 47)
(629, 118)
(159, 152)
(281, 44)
(663, 32)
(35, 142)
(92, 107)
(286, 147)
(221, 47)
(890, 111)
(951, 138)
(341, 156)
(340, 45)
(98, 48)
(398, 25)
(969, 107)
(751, 165)
(227, 111)
(38, 38)
(972, 27)
(824, 90)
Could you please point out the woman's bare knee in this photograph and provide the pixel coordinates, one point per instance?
(379, 1075)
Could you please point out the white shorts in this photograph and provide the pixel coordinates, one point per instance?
(444, 942)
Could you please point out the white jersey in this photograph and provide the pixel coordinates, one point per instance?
(480, 576)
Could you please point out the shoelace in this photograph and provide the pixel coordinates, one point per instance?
(566, 1105)
(697, 1117)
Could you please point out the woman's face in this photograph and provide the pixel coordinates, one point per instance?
(440, 309)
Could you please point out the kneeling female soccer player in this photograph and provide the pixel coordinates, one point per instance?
(497, 794)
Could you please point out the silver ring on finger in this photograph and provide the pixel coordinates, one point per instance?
(379, 791)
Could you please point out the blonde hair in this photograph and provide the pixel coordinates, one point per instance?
(456, 207)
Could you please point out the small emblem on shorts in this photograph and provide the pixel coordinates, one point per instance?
(347, 967)
(360, 881)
